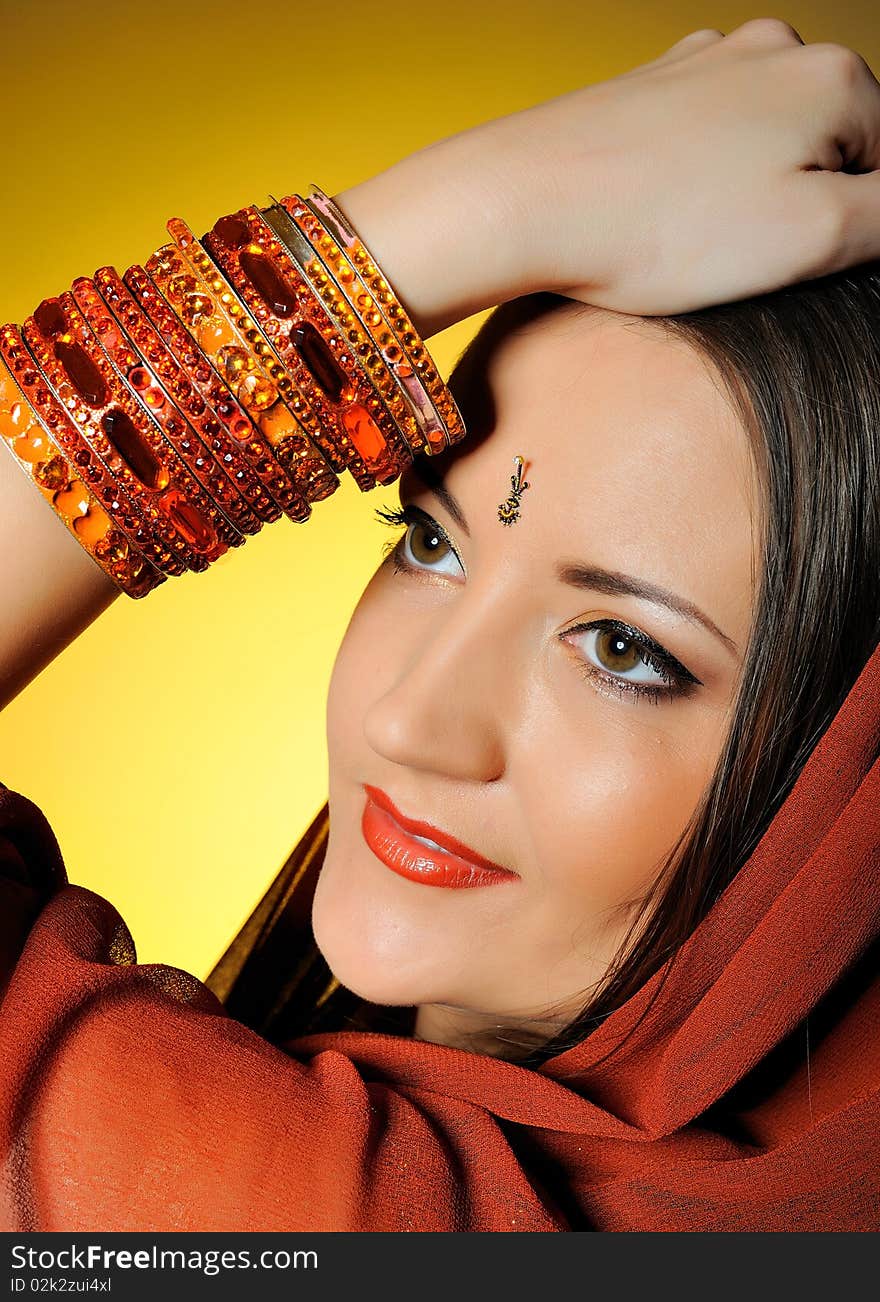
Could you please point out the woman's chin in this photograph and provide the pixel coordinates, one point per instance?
(367, 949)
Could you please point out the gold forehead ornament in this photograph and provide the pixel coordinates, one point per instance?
(508, 511)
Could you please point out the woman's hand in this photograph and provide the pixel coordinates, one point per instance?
(724, 168)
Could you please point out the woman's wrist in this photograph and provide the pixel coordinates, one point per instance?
(447, 228)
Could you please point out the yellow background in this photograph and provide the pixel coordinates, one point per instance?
(177, 747)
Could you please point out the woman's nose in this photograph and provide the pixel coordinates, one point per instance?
(448, 704)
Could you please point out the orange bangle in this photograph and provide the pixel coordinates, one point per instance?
(130, 445)
(234, 453)
(364, 327)
(141, 377)
(211, 386)
(261, 365)
(296, 318)
(331, 224)
(43, 461)
(63, 426)
(169, 413)
(233, 345)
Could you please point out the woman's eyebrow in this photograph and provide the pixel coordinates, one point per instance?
(578, 575)
(616, 584)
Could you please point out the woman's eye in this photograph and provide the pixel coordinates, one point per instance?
(618, 654)
(624, 660)
(424, 545)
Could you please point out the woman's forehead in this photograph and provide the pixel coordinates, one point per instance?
(636, 459)
(613, 405)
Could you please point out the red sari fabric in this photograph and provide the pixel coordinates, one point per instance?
(747, 1098)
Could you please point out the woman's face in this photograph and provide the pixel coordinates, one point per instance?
(463, 690)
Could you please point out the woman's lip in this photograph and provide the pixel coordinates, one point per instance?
(390, 836)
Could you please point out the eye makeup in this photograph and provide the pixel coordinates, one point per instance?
(413, 515)
(676, 680)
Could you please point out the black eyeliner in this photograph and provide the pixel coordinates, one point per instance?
(657, 652)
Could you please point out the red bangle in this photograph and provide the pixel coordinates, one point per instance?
(141, 372)
(262, 363)
(197, 306)
(211, 386)
(306, 339)
(220, 410)
(127, 441)
(107, 532)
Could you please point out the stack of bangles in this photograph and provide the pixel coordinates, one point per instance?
(171, 412)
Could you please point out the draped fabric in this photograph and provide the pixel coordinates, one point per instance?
(738, 1090)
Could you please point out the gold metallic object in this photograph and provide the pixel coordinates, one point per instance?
(508, 511)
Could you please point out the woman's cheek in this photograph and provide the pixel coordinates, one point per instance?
(611, 807)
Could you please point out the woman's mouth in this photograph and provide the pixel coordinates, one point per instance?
(406, 847)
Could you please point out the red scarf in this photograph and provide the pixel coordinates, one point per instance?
(747, 1098)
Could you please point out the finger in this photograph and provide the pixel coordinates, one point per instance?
(771, 33)
(850, 97)
(688, 45)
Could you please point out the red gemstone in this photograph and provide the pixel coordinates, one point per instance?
(324, 368)
(50, 318)
(233, 231)
(268, 282)
(82, 372)
(140, 459)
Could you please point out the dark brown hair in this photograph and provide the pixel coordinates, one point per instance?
(802, 366)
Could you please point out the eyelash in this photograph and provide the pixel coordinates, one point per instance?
(678, 680)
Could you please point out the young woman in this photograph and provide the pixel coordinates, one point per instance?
(594, 896)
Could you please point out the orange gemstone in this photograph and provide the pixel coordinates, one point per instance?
(364, 433)
(114, 548)
(235, 360)
(33, 446)
(50, 318)
(92, 526)
(73, 501)
(233, 231)
(196, 307)
(277, 422)
(53, 474)
(189, 522)
(166, 259)
(269, 283)
(179, 286)
(214, 333)
(108, 332)
(322, 365)
(82, 372)
(15, 420)
(256, 392)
